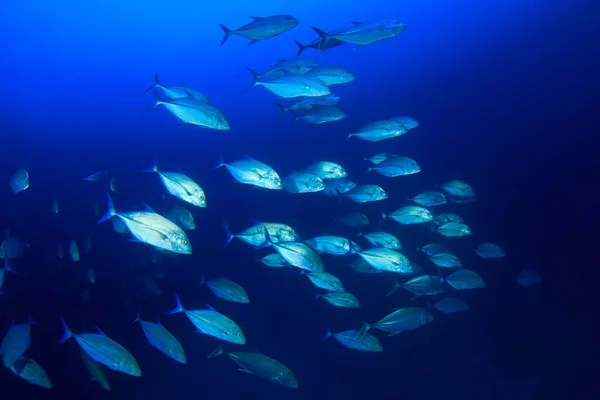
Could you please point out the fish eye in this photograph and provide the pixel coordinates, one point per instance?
(184, 241)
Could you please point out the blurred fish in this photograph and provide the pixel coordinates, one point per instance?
(365, 193)
(178, 92)
(181, 186)
(304, 104)
(329, 244)
(29, 370)
(355, 339)
(424, 285)
(54, 208)
(454, 229)
(12, 247)
(490, 250)
(95, 177)
(163, 340)
(191, 111)
(353, 219)
(295, 66)
(429, 198)
(6, 268)
(297, 254)
(292, 86)
(260, 365)
(331, 75)
(363, 33)
(408, 215)
(450, 305)
(320, 43)
(96, 371)
(255, 235)
(74, 251)
(402, 320)
(252, 172)
(325, 281)
(16, 342)
(465, 279)
(380, 157)
(274, 260)
(341, 299)
(528, 277)
(104, 350)
(151, 228)
(91, 275)
(385, 259)
(226, 289)
(396, 166)
(433, 248)
(361, 266)
(261, 28)
(119, 226)
(181, 216)
(444, 218)
(337, 187)
(379, 130)
(302, 182)
(114, 185)
(321, 115)
(212, 323)
(326, 170)
(383, 239)
(19, 181)
(458, 189)
(446, 260)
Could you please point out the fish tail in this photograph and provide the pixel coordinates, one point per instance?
(202, 281)
(178, 308)
(137, 318)
(327, 334)
(228, 233)
(351, 249)
(220, 163)
(349, 135)
(268, 239)
(363, 330)
(394, 289)
(283, 109)
(157, 98)
(383, 216)
(256, 78)
(217, 352)
(111, 210)
(368, 170)
(66, 332)
(227, 32)
(301, 47)
(153, 168)
(156, 84)
(296, 117)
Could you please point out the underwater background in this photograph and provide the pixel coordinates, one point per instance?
(505, 94)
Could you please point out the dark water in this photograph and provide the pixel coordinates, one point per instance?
(504, 92)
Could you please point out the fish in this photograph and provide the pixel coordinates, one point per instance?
(528, 277)
(305, 104)
(329, 244)
(12, 247)
(16, 342)
(366, 193)
(255, 235)
(96, 370)
(163, 340)
(226, 289)
(424, 285)
(96, 176)
(360, 266)
(341, 299)
(385, 259)
(295, 66)
(19, 181)
(409, 215)
(331, 75)
(252, 172)
(364, 33)
(320, 43)
(490, 250)
(454, 229)
(3, 270)
(260, 365)
(302, 182)
(114, 185)
(459, 189)
(379, 130)
(325, 281)
(178, 92)
(74, 251)
(402, 320)
(182, 217)
(181, 186)
(429, 198)
(432, 249)
(28, 369)
(191, 111)
(383, 239)
(54, 208)
(380, 157)
(212, 323)
(151, 228)
(261, 28)
(292, 86)
(297, 254)
(104, 350)
(446, 260)
(396, 166)
(450, 305)
(91, 275)
(320, 115)
(274, 260)
(353, 339)
(465, 279)
(444, 218)
(326, 170)
(338, 186)
(354, 219)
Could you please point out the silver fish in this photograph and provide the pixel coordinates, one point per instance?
(408, 215)
(355, 339)
(74, 251)
(490, 250)
(363, 33)
(331, 75)
(465, 279)
(95, 369)
(252, 172)
(396, 166)
(297, 254)
(29, 370)
(429, 198)
(19, 181)
(424, 285)
(321, 115)
(191, 111)
(327, 170)
(337, 187)
(326, 281)
(163, 340)
(444, 218)
(226, 289)
(320, 43)
(178, 92)
(401, 320)
(446, 260)
(329, 244)
(182, 217)
(292, 86)
(383, 239)
(341, 299)
(255, 235)
(458, 189)
(386, 260)
(366, 193)
(380, 157)
(379, 130)
(302, 182)
(181, 186)
(274, 260)
(261, 28)
(454, 229)
(433, 248)
(295, 66)
(304, 104)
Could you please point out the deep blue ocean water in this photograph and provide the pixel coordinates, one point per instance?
(505, 92)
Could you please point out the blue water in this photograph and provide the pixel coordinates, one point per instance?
(504, 92)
